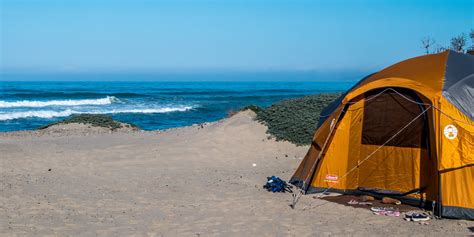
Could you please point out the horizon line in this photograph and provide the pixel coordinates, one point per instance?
(183, 71)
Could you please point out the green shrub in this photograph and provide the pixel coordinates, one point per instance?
(295, 120)
(96, 120)
(254, 108)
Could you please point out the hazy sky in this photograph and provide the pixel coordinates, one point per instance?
(138, 35)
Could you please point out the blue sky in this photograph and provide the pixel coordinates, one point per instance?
(254, 35)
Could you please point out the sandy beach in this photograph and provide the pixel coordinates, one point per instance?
(192, 181)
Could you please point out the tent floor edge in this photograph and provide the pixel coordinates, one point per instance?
(416, 202)
(453, 212)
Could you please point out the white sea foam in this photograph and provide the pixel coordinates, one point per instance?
(68, 112)
(37, 114)
(31, 103)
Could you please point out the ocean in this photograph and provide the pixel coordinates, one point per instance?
(152, 105)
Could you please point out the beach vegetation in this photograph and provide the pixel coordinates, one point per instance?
(256, 109)
(427, 43)
(458, 43)
(95, 120)
(295, 120)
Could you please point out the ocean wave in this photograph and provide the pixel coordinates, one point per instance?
(68, 112)
(29, 103)
(36, 114)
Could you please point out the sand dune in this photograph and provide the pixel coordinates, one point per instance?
(192, 181)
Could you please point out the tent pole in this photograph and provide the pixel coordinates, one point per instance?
(312, 171)
(440, 206)
(323, 150)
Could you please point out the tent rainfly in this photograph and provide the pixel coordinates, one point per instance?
(406, 132)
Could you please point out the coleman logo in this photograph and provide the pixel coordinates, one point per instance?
(331, 178)
(450, 132)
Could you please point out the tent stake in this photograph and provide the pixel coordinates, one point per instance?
(296, 197)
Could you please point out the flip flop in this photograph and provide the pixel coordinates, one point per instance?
(379, 209)
(388, 213)
(353, 202)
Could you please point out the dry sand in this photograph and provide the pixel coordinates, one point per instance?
(192, 181)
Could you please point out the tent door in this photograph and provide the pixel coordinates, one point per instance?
(401, 163)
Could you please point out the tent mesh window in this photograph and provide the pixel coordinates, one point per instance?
(388, 113)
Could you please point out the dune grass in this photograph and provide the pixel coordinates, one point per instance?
(294, 120)
(95, 120)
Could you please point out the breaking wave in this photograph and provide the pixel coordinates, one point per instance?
(68, 112)
(30, 103)
(37, 114)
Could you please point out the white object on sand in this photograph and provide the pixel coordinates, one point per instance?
(254, 164)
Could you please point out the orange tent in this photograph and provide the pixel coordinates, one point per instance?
(406, 132)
